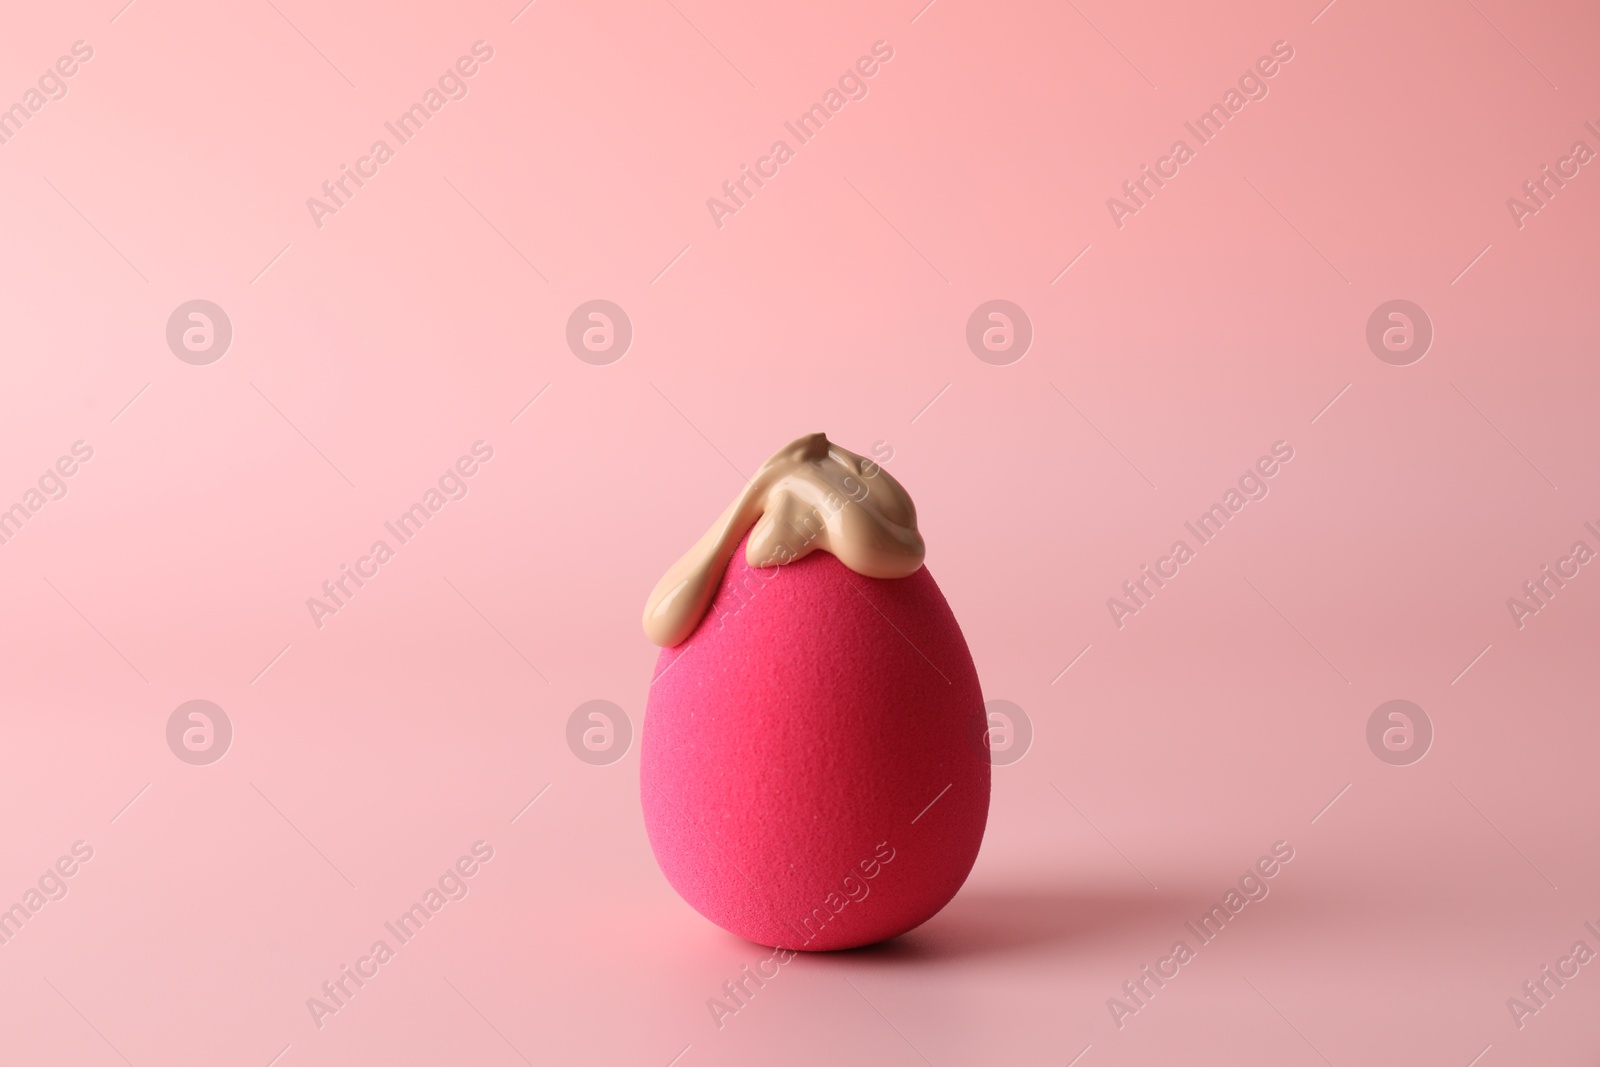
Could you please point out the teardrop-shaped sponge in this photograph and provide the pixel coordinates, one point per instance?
(813, 768)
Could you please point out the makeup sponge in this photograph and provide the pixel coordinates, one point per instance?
(813, 769)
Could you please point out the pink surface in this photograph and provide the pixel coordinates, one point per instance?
(807, 782)
(366, 756)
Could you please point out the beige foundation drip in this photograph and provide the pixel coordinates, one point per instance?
(811, 494)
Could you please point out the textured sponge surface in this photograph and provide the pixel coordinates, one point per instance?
(793, 745)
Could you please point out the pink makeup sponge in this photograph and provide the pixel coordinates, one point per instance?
(812, 766)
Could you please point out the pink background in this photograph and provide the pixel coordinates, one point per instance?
(369, 353)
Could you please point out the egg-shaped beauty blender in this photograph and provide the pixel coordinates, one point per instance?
(813, 773)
